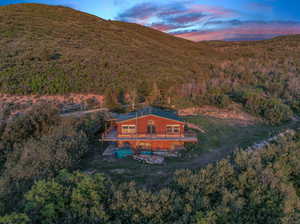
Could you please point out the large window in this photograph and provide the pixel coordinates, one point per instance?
(128, 129)
(173, 129)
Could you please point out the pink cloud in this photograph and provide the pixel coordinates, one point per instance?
(170, 12)
(189, 18)
(249, 30)
(179, 13)
(213, 10)
(164, 27)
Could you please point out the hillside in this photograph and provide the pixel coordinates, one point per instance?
(58, 50)
(47, 49)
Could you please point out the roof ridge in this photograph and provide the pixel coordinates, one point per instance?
(148, 111)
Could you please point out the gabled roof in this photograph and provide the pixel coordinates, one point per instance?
(149, 111)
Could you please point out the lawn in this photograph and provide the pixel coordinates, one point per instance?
(228, 133)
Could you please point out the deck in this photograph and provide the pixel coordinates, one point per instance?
(112, 136)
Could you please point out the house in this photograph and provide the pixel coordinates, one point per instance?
(149, 129)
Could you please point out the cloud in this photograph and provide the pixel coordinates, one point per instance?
(167, 17)
(217, 11)
(185, 18)
(165, 27)
(233, 22)
(248, 30)
(199, 22)
(139, 13)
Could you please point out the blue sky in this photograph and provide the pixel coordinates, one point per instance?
(197, 19)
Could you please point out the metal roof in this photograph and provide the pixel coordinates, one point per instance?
(149, 111)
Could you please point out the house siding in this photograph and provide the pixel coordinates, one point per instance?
(139, 138)
(160, 124)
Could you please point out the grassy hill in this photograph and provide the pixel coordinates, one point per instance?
(57, 50)
(47, 49)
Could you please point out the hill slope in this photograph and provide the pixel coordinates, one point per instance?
(44, 47)
(56, 50)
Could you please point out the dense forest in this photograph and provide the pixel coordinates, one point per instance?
(39, 182)
(58, 50)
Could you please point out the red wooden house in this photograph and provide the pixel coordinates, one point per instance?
(149, 128)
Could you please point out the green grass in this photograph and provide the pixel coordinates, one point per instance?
(227, 132)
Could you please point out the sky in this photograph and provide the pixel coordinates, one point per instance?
(197, 20)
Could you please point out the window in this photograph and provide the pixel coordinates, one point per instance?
(173, 129)
(128, 129)
(151, 127)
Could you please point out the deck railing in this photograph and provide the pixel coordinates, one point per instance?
(112, 133)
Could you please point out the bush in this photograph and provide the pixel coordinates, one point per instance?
(217, 98)
(221, 100)
(62, 148)
(69, 198)
(15, 218)
(21, 127)
(32, 123)
(39, 143)
(296, 106)
(272, 109)
(276, 112)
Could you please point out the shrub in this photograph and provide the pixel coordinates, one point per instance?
(276, 112)
(69, 198)
(15, 218)
(296, 106)
(62, 148)
(272, 109)
(37, 144)
(220, 100)
(32, 123)
(214, 97)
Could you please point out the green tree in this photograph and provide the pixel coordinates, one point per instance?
(46, 202)
(15, 218)
(69, 198)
